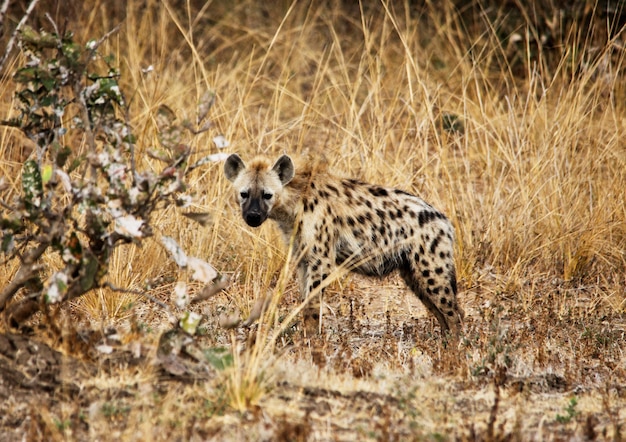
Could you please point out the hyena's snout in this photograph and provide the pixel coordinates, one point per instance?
(254, 219)
(253, 214)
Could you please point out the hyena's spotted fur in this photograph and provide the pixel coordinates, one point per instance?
(370, 229)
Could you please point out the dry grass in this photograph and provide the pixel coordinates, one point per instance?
(526, 156)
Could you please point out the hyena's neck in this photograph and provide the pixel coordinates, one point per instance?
(287, 212)
(286, 222)
(288, 209)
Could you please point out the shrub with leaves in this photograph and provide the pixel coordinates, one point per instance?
(82, 192)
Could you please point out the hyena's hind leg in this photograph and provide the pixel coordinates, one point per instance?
(436, 288)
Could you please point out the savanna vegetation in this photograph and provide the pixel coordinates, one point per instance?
(509, 117)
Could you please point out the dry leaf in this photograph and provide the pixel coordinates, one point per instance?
(202, 270)
(258, 308)
(229, 321)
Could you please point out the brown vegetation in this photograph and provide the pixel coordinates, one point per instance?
(518, 138)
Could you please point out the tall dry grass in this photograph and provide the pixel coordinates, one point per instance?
(525, 155)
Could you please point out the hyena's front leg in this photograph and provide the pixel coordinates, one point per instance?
(313, 271)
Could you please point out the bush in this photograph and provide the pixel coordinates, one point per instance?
(82, 192)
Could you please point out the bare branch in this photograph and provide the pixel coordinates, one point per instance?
(27, 271)
(140, 293)
(11, 43)
(3, 10)
(212, 290)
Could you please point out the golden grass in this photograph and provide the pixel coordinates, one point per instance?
(533, 176)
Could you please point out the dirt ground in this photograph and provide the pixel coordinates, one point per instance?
(378, 372)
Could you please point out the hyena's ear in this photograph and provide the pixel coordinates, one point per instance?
(284, 168)
(233, 167)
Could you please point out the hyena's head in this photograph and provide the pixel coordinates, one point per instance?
(258, 185)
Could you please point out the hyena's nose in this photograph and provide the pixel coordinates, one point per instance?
(254, 219)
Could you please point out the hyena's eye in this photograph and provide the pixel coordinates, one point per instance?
(244, 195)
(267, 196)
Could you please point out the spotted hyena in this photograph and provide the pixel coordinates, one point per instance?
(369, 229)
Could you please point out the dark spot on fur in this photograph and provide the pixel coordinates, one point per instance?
(453, 281)
(430, 281)
(349, 184)
(350, 221)
(378, 191)
(401, 192)
(439, 270)
(434, 245)
(426, 273)
(425, 217)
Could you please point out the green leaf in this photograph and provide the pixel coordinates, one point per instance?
(88, 272)
(75, 163)
(218, 357)
(189, 322)
(46, 173)
(48, 82)
(32, 187)
(62, 156)
(26, 75)
(7, 243)
(12, 223)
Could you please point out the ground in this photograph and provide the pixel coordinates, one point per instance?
(370, 376)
